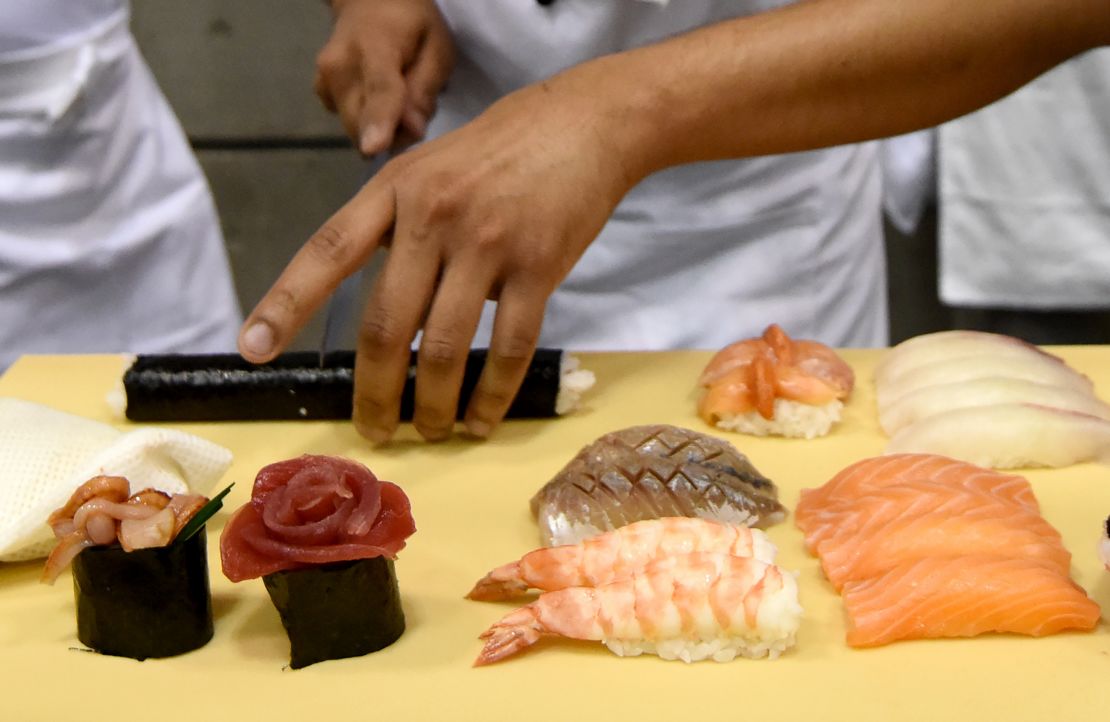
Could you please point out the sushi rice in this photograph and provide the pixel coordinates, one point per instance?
(573, 382)
(790, 418)
(777, 624)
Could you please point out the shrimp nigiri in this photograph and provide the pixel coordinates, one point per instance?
(689, 607)
(617, 554)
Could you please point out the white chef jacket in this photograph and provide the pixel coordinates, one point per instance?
(1025, 195)
(700, 255)
(109, 240)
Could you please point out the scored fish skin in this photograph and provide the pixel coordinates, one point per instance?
(650, 472)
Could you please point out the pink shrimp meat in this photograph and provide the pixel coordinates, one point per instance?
(690, 607)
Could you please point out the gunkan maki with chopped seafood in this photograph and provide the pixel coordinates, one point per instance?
(140, 567)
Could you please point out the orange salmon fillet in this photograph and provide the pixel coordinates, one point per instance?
(1019, 534)
(881, 471)
(864, 515)
(963, 597)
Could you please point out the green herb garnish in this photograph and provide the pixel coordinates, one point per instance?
(206, 512)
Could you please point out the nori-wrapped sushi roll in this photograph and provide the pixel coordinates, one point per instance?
(297, 386)
(144, 603)
(322, 533)
(346, 609)
(140, 567)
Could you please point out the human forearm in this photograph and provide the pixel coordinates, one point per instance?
(826, 72)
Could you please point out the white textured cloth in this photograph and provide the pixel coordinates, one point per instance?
(46, 454)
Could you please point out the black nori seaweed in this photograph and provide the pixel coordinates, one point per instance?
(144, 603)
(295, 386)
(345, 609)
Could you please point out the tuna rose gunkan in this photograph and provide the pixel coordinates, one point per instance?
(323, 532)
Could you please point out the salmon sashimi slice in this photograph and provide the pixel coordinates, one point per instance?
(881, 471)
(846, 518)
(964, 597)
(1017, 533)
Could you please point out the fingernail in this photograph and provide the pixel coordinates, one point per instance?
(259, 340)
(377, 435)
(434, 435)
(478, 429)
(372, 140)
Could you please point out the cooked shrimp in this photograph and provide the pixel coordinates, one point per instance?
(750, 374)
(617, 554)
(688, 607)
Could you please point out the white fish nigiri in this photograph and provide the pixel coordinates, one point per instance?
(931, 400)
(1035, 367)
(932, 347)
(1008, 436)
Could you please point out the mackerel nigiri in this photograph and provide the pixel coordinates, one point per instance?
(650, 472)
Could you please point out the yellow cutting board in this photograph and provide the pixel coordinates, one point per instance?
(470, 501)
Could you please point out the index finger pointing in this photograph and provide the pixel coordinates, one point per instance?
(339, 248)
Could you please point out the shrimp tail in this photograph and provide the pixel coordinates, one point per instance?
(516, 631)
(504, 582)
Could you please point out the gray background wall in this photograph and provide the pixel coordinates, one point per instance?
(239, 75)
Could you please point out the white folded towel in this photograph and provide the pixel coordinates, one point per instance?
(46, 454)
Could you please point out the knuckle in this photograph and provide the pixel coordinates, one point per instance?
(285, 302)
(330, 61)
(515, 351)
(491, 233)
(496, 396)
(379, 334)
(444, 200)
(369, 409)
(330, 245)
(440, 353)
(380, 83)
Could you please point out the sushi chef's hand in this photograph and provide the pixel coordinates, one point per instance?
(382, 68)
(502, 209)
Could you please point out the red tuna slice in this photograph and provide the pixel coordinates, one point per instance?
(314, 510)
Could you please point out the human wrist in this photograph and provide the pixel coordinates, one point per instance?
(627, 111)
